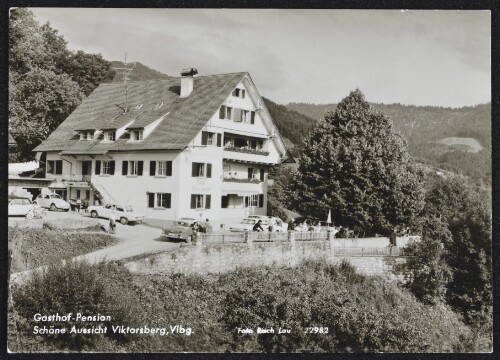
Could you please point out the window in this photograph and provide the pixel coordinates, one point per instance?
(225, 112)
(160, 168)
(159, 200)
(254, 200)
(201, 170)
(199, 201)
(207, 138)
(86, 135)
(252, 173)
(105, 167)
(110, 136)
(239, 93)
(132, 168)
(136, 135)
(54, 167)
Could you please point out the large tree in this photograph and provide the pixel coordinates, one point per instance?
(355, 164)
(47, 81)
(466, 211)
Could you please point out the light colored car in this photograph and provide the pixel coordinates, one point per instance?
(19, 206)
(52, 202)
(278, 224)
(248, 223)
(123, 214)
(181, 229)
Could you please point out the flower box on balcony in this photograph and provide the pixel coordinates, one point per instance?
(239, 180)
(246, 150)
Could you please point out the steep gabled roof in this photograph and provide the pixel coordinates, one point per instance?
(184, 117)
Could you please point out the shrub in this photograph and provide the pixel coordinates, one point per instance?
(78, 287)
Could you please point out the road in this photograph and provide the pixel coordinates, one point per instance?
(133, 240)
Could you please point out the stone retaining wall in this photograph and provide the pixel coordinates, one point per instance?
(207, 258)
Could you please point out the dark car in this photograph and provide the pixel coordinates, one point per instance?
(181, 229)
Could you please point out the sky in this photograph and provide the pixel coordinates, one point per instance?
(428, 57)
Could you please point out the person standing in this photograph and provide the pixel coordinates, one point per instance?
(112, 222)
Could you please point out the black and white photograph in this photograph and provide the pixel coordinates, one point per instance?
(195, 180)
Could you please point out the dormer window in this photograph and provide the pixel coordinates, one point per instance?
(87, 135)
(137, 135)
(110, 135)
(239, 93)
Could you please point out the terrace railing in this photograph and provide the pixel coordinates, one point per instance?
(227, 237)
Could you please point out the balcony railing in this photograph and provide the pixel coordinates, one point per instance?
(241, 180)
(246, 150)
(75, 178)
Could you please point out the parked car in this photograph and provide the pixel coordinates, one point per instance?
(248, 223)
(20, 206)
(124, 214)
(52, 202)
(180, 229)
(278, 224)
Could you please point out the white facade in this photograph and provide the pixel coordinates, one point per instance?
(226, 182)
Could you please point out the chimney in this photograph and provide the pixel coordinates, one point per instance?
(187, 81)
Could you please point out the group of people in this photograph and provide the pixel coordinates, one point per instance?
(304, 226)
(202, 227)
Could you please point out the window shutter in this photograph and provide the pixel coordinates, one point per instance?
(152, 168)
(250, 173)
(59, 166)
(222, 112)
(112, 167)
(168, 200)
(219, 140)
(261, 200)
(247, 200)
(237, 115)
(204, 137)
(252, 117)
(243, 93)
(208, 199)
(140, 168)
(262, 171)
(193, 201)
(193, 170)
(235, 92)
(151, 200)
(169, 168)
(209, 170)
(124, 167)
(98, 167)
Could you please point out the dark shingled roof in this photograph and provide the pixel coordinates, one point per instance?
(104, 109)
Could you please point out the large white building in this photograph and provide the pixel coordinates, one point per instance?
(194, 146)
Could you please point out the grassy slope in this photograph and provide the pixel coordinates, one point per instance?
(37, 247)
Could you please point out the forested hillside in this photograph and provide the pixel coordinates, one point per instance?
(425, 126)
(138, 72)
(291, 124)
